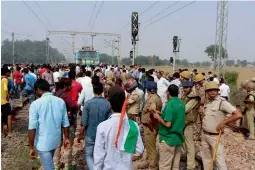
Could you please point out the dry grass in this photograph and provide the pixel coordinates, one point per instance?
(244, 73)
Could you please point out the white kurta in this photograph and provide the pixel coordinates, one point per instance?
(106, 156)
(162, 86)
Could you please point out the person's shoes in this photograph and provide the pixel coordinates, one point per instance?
(9, 135)
(251, 138)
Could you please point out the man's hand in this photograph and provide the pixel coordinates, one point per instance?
(80, 138)
(69, 114)
(156, 116)
(156, 111)
(220, 127)
(66, 143)
(32, 153)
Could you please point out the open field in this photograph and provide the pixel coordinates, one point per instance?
(244, 72)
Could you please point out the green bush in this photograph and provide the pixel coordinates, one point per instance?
(231, 78)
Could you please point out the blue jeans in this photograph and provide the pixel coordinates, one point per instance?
(89, 149)
(46, 158)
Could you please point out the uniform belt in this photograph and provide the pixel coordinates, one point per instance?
(210, 133)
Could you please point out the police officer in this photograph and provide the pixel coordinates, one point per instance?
(150, 125)
(192, 103)
(185, 75)
(133, 101)
(249, 109)
(214, 119)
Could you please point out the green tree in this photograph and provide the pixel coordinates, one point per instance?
(27, 51)
(210, 52)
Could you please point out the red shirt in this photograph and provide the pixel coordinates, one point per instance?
(74, 93)
(17, 76)
(42, 70)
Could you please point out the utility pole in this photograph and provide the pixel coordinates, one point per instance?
(176, 48)
(93, 41)
(47, 49)
(13, 48)
(220, 51)
(133, 61)
(118, 48)
(113, 47)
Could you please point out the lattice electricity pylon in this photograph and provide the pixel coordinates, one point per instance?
(221, 35)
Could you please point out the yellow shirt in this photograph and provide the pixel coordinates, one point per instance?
(4, 91)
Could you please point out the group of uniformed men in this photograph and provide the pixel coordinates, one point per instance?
(204, 108)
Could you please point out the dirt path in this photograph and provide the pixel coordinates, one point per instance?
(15, 150)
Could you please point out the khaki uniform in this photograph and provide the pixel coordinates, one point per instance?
(150, 127)
(238, 102)
(192, 103)
(124, 77)
(133, 106)
(248, 120)
(110, 79)
(215, 112)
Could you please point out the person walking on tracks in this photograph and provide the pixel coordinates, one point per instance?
(192, 103)
(150, 125)
(214, 120)
(47, 116)
(171, 137)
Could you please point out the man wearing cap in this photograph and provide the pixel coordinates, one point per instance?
(214, 120)
(150, 125)
(185, 75)
(133, 101)
(249, 109)
(192, 103)
(199, 88)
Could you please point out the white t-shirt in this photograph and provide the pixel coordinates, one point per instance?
(216, 80)
(224, 90)
(56, 75)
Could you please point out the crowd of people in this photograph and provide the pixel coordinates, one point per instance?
(123, 111)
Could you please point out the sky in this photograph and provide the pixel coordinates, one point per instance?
(194, 24)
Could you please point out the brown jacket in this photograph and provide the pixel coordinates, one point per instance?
(133, 103)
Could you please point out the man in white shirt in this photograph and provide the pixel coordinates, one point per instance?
(56, 75)
(176, 79)
(113, 148)
(224, 89)
(162, 86)
(215, 79)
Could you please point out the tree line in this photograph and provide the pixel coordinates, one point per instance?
(28, 51)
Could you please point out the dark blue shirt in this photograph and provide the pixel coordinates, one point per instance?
(95, 111)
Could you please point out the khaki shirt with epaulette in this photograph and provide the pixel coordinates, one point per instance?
(250, 97)
(133, 103)
(110, 79)
(214, 113)
(200, 92)
(192, 103)
(124, 77)
(153, 102)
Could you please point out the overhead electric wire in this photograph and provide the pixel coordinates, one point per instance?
(97, 15)
(148, 8)
(42, 12)
(35, 15)
(92, 14)
(169, 14)
(144, 11)
(161, 11)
